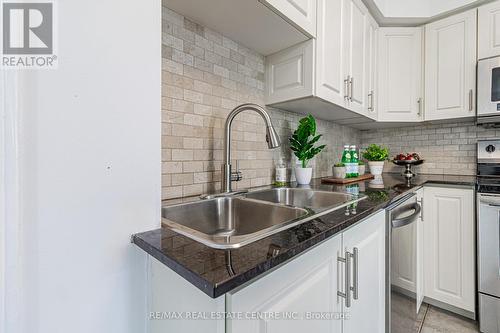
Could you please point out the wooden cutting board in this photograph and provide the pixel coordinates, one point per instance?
(332, 180)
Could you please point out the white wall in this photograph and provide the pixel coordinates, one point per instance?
(89, 142)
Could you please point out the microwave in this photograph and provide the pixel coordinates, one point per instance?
(488, 90)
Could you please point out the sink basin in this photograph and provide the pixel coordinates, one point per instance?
(230, 222)
(301, 197)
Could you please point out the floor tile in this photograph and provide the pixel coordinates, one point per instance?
(440, 321)
(404, 318)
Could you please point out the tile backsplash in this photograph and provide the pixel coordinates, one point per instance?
(204, 76)
(447, 148)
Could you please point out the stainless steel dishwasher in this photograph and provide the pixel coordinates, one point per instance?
(402, 302)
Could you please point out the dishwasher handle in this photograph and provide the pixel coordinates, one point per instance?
(397, 223)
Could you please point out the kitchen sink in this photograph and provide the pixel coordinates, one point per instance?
(228, 222)
(300, 197)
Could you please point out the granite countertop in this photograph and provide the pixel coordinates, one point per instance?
(217, 272)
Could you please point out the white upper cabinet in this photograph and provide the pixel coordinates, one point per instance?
(289, 73)
(342, 65)
(450, 67)
(400, 74)
(301, 13)
(488, 34)
(263, 26)
(371, 67)
(449, 249)
(331, 79)
(355, 25)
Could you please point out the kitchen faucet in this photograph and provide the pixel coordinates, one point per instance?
(272, 138)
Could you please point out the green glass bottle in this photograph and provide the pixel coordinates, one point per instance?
(346, 160)
(354, 162)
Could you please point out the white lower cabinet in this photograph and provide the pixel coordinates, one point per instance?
(309, 286)
(367, 242)
(449, 264)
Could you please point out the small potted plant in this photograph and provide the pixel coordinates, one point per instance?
(302, 144)
(339, 171)
(361, 168)
(376, 156)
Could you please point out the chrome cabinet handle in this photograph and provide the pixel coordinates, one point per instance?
(370, 101)
(421, 202)
(347, 279)
(346, 88)
(355, 273)
(351, 88)
(471, 100)
(419, 101)
(348, 264)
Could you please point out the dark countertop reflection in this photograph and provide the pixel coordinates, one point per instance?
(217, 272)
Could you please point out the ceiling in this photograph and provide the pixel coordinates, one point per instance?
(416, 12)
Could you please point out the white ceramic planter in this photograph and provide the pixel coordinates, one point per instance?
(339, 172)
(303, 175)
(376, 167)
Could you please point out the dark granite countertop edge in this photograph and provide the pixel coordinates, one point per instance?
(219, 289)
(202, 284)
(280, 259)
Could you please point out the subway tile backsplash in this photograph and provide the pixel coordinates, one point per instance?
(447, 148)
(204, 76)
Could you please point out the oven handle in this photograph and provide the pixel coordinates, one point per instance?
(490, 200)
(397, 223)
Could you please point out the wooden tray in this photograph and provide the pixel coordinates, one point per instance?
(332, 180)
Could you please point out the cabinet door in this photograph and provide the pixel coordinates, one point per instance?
(419, 285)
(356, 66)
(289, 73)
(488, 34)
(330, 68)
(371, 63)
(300, 13)
(449, 265)
(400, 74)
(308, 283)
(367, 312)
(450, 67)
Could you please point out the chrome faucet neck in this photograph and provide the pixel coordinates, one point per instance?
(271, 138)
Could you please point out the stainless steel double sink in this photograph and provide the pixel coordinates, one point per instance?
(233, 221)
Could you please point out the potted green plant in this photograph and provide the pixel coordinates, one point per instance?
(339, 171)
(376, 156)
(302, 143)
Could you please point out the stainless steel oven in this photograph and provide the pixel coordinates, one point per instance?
(488, 234)
(488, 90)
